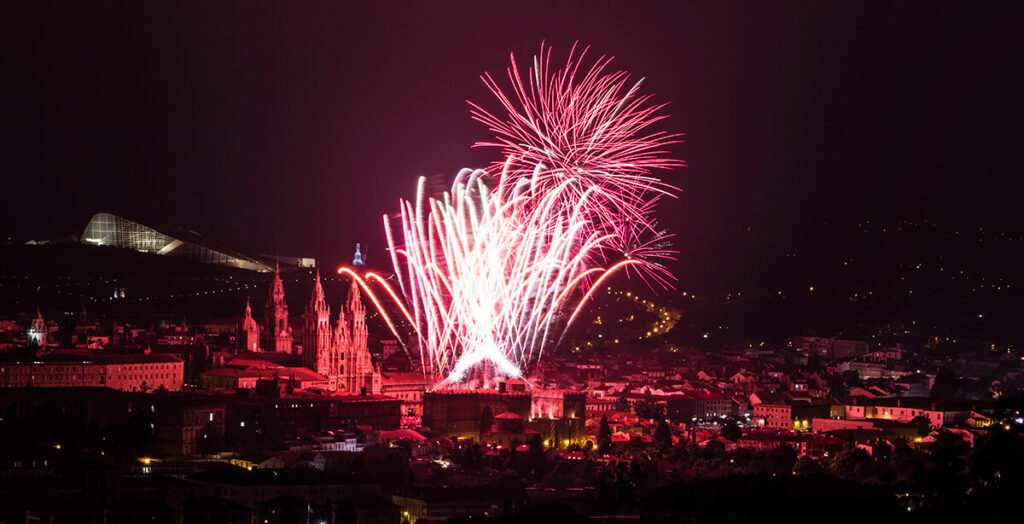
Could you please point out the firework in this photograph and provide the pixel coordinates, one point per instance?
(491, 273)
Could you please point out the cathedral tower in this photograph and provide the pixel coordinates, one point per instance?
(248, 338)
(359, 259)
(277, 332)
(317, 346)
(357, 370)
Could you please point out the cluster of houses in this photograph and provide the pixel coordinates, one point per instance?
(812, 386)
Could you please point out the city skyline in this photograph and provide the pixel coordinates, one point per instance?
(796, 121)
(413, 263)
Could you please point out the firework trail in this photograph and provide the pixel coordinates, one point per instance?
(491, 273)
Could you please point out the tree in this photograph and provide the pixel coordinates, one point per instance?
(923, 423)
(604, 435)
(852, 464)
(393, 470)
(649, 408)
(622, 403)
(836, 386)
(714, 451)
(807, 466)
(560, 477)
(780, 459)
(731, 431)
(662, 435)
(536, 453)
(486, 420)
(473, 460)
(945, 383)
(510, 482)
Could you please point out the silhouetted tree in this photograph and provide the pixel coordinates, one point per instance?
(731, 431)
(945, 383)
(649, 408)
(662, 435)
(852, 464)
(473, 459)
(392, 471)
(536, 452)
(486, 420)
(807, 466)
(780, 460)
(836, 386)
(924, 425)
(622, 403)
(604, 435)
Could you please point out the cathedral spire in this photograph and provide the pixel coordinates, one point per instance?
(355, 303)
(359, 259)
(277, 330)
(316, 338)
(317, 301)
(248, 331)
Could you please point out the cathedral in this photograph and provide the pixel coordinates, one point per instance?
(340, 353)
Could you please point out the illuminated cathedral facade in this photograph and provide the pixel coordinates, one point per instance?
(340, 354)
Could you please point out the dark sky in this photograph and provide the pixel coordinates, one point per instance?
(292, 128)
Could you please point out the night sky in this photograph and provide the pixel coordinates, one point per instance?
(279, 128)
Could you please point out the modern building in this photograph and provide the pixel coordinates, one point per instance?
(105, 229)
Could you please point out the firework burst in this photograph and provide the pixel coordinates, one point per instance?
(491, 273)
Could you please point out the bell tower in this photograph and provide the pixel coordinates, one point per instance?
(277, 332)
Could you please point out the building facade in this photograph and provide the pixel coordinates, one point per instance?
(91, 369)
(341, 355)
(357, 373)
